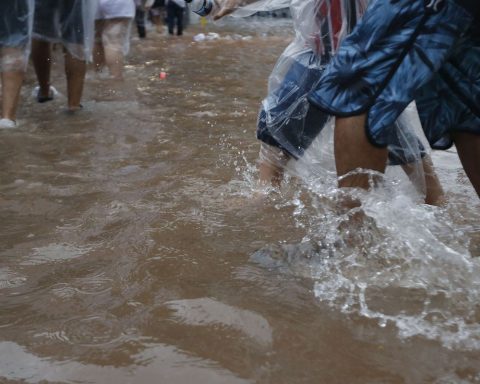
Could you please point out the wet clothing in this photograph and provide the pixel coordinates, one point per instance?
(112, 9)
(404, 50)
(298, 124)
(59, 19)
(14, 23)
(69, 22)
(286, 119)
(113, 24)
(16, 18)
(157, 8)
(471, 6)
(140, 22)
(140, 16)
(175, 14)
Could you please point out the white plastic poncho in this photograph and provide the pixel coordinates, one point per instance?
(116, 35)
(16, 19)
(286, 119)
(70, 22)
(112, 9)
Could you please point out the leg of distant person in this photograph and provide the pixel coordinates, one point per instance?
(75, 70)
(42, 63)
(179, 15)
(140, 22)
(114, 39)
(171, 18)
(11, 85)
(98, 48)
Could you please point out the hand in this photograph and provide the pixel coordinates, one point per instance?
(226, 7)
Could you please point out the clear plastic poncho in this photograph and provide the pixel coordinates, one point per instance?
(115, 35)
(69, 22)
(287, 120)
(16, 20)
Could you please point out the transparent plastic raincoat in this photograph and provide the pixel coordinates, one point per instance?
(16, 18)
(116, 35)
(287, 120)
(69, 22)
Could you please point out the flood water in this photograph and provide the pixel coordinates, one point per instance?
(134, 248)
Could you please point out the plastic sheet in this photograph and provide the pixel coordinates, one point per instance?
(244, 8)
(16, 20)
(262, 6)
(111, 9)
(115, 34)
(287, 120)
(69, 22)
(288, 123)
(286, 114)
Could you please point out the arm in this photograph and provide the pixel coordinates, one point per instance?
(226, 7)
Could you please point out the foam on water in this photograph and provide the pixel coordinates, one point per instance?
(406, 274)
(393, 260)
(55, 253)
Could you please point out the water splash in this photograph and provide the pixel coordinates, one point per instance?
(391, 259)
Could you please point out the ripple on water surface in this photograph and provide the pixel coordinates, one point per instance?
(55, 253)
(208, 312)
(393, 261)
(157, 363)
(92, 330)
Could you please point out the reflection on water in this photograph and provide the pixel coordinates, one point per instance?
(156, 364)
(133, 247)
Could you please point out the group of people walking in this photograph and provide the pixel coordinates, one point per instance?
(87, 30)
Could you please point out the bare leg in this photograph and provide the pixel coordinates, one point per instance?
(75, 70)
(468, 147)
(434, 191)
(434, 194)
(353, 150)
(42, 62)
(271, 165)
(98, 51)
(12, 79)
(157, 20)
(11, 85)
(270, 174)
(114, 38)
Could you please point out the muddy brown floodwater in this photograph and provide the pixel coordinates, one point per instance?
(133, 250)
